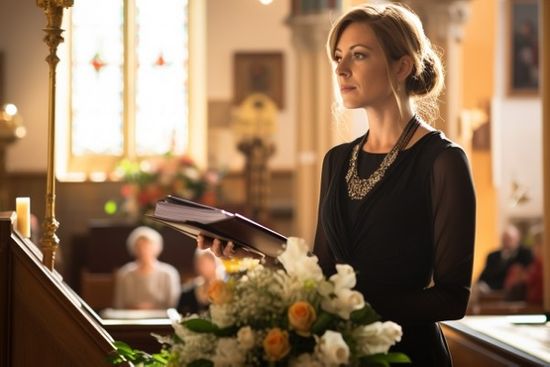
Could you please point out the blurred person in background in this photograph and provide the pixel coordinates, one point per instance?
(499, 262)
(524, 283)
(146, 283)
(194, 295)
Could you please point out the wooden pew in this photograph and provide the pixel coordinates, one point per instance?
(42, 321)
(103, 250)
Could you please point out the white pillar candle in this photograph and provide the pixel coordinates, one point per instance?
(23, 209)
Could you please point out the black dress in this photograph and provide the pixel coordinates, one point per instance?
(410, 240)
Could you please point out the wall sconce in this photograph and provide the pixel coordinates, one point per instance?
(11, 124)
(11, 129)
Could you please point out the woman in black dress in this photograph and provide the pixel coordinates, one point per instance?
(398, 203)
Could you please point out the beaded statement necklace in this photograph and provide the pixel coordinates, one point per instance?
(359, 187)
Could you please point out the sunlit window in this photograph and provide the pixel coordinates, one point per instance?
(97, 81)
(127, 77)
(161, 52)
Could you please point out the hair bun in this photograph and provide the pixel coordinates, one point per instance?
(427, 81)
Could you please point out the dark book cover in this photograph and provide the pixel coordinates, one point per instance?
(192, 219)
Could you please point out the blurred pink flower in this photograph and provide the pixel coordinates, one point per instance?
(152, 179)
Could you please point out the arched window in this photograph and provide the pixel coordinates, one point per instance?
(123, 83)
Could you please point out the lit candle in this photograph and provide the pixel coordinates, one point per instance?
(23, 209)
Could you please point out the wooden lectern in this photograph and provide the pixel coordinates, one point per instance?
(42, 321)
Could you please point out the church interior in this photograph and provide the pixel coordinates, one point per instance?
(229, 103)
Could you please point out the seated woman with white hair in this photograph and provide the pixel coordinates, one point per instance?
(146, 283)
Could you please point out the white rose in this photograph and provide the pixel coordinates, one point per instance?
(245, 337)
(333, 348)
(297, 263)
(349, 301)
(345, 302)
(310, 269)
(377, 337)
(344, 278)
(392, 332)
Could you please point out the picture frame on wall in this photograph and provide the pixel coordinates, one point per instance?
(523, 46)
(258, 72)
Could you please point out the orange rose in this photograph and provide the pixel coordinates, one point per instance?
(276, 344)
(219, 292)
(301, 316)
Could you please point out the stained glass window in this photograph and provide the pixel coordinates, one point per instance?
(97, 78)
(161, 76)
(128, 79)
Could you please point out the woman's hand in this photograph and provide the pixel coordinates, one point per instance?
(218, 247)
(223, 249)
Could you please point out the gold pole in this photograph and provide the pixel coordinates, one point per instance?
(54, 14)
(545, 84)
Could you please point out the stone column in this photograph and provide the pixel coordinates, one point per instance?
(313, 117)
(444, 25)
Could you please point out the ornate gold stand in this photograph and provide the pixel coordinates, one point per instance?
(54, 14)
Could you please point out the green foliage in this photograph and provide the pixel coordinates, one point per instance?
(324, 320)
(383, 359)
(261, 299)
(124, 354)
(364, 316)
(205, 326)
(200, 326)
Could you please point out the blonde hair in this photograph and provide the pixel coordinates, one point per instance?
(399, 32)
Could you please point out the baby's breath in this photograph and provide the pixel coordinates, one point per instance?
(312, 321)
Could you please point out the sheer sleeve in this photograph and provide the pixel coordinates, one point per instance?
(321, 247)
(453, 209)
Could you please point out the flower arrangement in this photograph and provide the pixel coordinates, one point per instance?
(265, 316)
(150, 180)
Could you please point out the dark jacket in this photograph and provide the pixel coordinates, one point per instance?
(496, 267)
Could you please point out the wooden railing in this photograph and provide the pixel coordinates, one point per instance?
(471, 347)
(42, 321)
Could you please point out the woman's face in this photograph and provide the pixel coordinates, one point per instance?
(145, 250)
(361, 68)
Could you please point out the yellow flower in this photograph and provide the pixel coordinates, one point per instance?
(219, 293)
(276, 344)
(301, 316)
